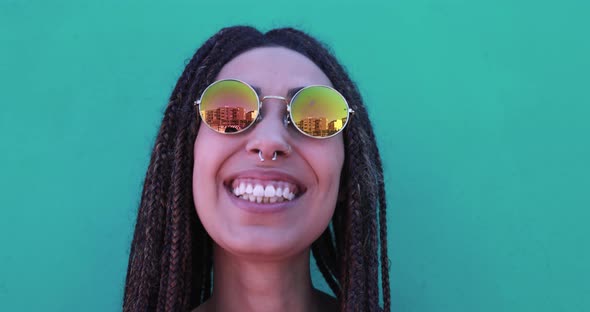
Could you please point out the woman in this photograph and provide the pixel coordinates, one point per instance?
(228, 217)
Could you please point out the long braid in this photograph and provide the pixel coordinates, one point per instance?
(370, 173)
(178, 209)
(383, 240)
(379, 194)
(370, 239)
(323, 252)
(140, 291)
(339, 223)
(169, 258)
(328, 252)
(356, 300)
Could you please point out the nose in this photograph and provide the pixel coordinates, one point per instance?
(268, 140)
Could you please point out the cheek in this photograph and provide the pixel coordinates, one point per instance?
(210, 151)
(207, 161)
(328, 163)
(202, 162)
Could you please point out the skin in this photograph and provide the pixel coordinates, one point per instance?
(261, 260)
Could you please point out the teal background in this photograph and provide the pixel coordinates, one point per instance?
(481, 110)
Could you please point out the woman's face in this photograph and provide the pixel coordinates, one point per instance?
(309, 168)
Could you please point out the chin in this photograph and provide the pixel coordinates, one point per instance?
(267, 247)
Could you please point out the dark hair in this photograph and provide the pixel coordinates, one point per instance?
(170, 262)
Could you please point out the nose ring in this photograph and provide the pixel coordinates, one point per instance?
(274, 156)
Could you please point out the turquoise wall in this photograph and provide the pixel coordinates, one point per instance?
(481, 110)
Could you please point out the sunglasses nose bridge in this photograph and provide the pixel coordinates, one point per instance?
(280, 98)
(275, 97)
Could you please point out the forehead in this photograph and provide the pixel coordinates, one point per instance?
(274, 69)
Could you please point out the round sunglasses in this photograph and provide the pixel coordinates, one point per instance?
(231, 106)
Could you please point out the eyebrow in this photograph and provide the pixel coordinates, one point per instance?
(290, 93)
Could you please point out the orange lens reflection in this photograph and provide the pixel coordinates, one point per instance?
(229, 106)
(319, 111)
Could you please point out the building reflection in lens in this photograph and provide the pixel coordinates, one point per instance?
(319, 126)
(228, 119)
(234, 119)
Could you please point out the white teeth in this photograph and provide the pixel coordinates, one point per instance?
(260, 194)
(258, 190)
(269, 191)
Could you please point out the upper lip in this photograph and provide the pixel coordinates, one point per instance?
(271, 175)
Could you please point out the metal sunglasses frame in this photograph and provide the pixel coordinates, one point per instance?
(349, 112)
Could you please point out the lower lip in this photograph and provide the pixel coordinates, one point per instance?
(255, 207)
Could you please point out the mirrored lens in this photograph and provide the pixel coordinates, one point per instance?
(229, 106)
(319, 111)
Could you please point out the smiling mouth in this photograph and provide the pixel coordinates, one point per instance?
(264, 191)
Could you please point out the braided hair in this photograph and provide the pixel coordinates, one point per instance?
(170, 261)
